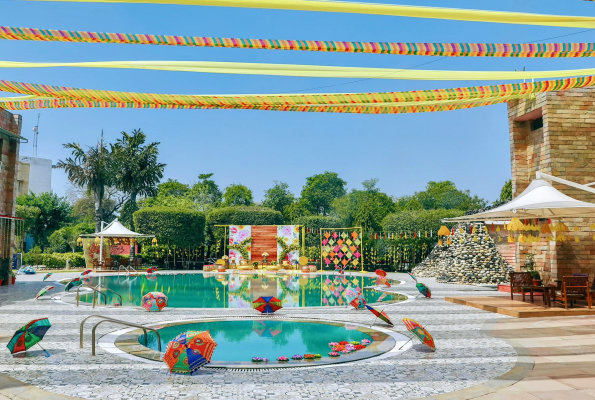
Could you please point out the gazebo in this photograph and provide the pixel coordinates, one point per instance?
(115, 230)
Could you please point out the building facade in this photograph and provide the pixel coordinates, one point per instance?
(10, 138)
(554, 133)
(34, 175)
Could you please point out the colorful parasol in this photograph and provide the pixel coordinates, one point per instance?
(29, 335)
(87, 272)
(43, 291)
(423, 289)
(267, 305)
(350, 294)
(47, 275)
(380, 314)
(73, 282)
(420, 332)
(381, 272)
(189, 351)
(154, 301)
(412, 277)
(382, 281)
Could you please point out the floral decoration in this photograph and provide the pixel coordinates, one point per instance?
(317, 356)
(354, 342)
(334, 354)
(359, 346)
(259, 359)
(297, 357)
(366, 342)
(333, 344)
(282, 359)
(345, 351)
(309, 356)
(343, 342)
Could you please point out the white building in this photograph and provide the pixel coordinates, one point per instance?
(34, 175)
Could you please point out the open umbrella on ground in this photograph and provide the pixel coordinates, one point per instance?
(154, 301)
(47, 276)
(267, 304)
(420, 332)
(380, 314)
(73, 282)
(29, 335)
(358, 302)
(189, 351)
(423, 289)
(43, 291)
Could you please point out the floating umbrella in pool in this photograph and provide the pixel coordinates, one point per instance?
(380, 314)
(154, 301)
(47, 276)
(43, 291)
(420, 332)
(423, 289)
(86, 272)
(73, 282)
(29, 335)
(267, 304)
(189, 351)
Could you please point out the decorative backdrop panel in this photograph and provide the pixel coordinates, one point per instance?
(341, 249)
(240, 242)
(289, 235)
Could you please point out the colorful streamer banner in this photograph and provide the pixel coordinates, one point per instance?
(501, 17)
(478, 93)
(541, 50)
(311, 71)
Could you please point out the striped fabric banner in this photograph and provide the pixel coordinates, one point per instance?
(539, 50)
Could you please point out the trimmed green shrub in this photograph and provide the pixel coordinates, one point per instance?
(315, 222)
(55, 260)
(422, 220)
(244, 215)
(172, 226)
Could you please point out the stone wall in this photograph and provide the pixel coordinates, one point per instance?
(563, 147)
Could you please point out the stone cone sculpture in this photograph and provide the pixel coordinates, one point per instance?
(469, 259)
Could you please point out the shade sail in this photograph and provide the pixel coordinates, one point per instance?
(539, 200)
(116, 229)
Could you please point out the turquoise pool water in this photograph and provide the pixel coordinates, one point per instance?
(240, 290)
(240, 340)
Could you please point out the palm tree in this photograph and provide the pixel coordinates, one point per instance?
(91, 170)
(137, 173)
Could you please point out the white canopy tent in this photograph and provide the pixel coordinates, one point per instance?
(539, 200)
(115, 230)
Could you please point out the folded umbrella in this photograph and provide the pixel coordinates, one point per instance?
(380, 314)
(73, 282)
(267, 304)
(29, 335)
(423, 289)
(87, 272)
(189, 351)
(47, 275)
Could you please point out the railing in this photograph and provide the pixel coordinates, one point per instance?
(102, 286)
(94, 289)
(115, 321)
(129, 269)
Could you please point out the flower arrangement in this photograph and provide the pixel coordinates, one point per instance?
(355, 343)
(259, 359)
(297, 357)
(345, 351)
(309, 356)
(333, 344)
(317, 356)
(225, 258)
(344, 342)
(265, 254)
(366, 342)
(282, 359)
(349, 347)
(334, 354)
(339, 348)
(359, 346)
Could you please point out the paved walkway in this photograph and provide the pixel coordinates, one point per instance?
(475, 356)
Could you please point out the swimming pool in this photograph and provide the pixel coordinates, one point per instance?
(239, 340)
(211, 290)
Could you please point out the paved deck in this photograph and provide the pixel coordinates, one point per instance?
(520, 309)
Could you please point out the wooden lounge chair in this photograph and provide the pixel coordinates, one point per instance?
(517, 281)
(110, 263)
(574, 288)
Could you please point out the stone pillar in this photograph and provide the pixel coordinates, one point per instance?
(555, 133)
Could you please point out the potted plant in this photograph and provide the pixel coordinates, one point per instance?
(14, 276)
(530, 267)
(255, 264)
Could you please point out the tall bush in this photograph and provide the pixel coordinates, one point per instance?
(422, 220)
(172, 226)
(244, 215)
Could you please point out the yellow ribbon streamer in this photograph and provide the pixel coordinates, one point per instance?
(382, 9)
(310, 71)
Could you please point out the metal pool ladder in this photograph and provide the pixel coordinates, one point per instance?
(129, 269)
(115, 321)
(97, 289)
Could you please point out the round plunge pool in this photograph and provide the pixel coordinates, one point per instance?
(240, 340)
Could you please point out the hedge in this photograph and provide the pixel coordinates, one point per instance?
(244, 215)
(54, 260)
(172, 226)
(422, 220)
(315, 222)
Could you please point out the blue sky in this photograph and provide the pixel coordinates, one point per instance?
(469, 147)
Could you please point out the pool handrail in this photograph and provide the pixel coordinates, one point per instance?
(94, 289)
(102, 286)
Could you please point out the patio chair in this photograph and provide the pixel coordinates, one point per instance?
(517, 281)
(110, 263)
(574, 288)
(137, 263)
(124, 262)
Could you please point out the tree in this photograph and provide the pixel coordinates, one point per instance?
(136, 172)
(320, 191)
(92, 170)
(237, 195)
(206, 193)
(83, 208)
(296, 210)
(65, 239)
(278, 197)
(445, 195)
(506, 192)
(172, 187)
(54, 212)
